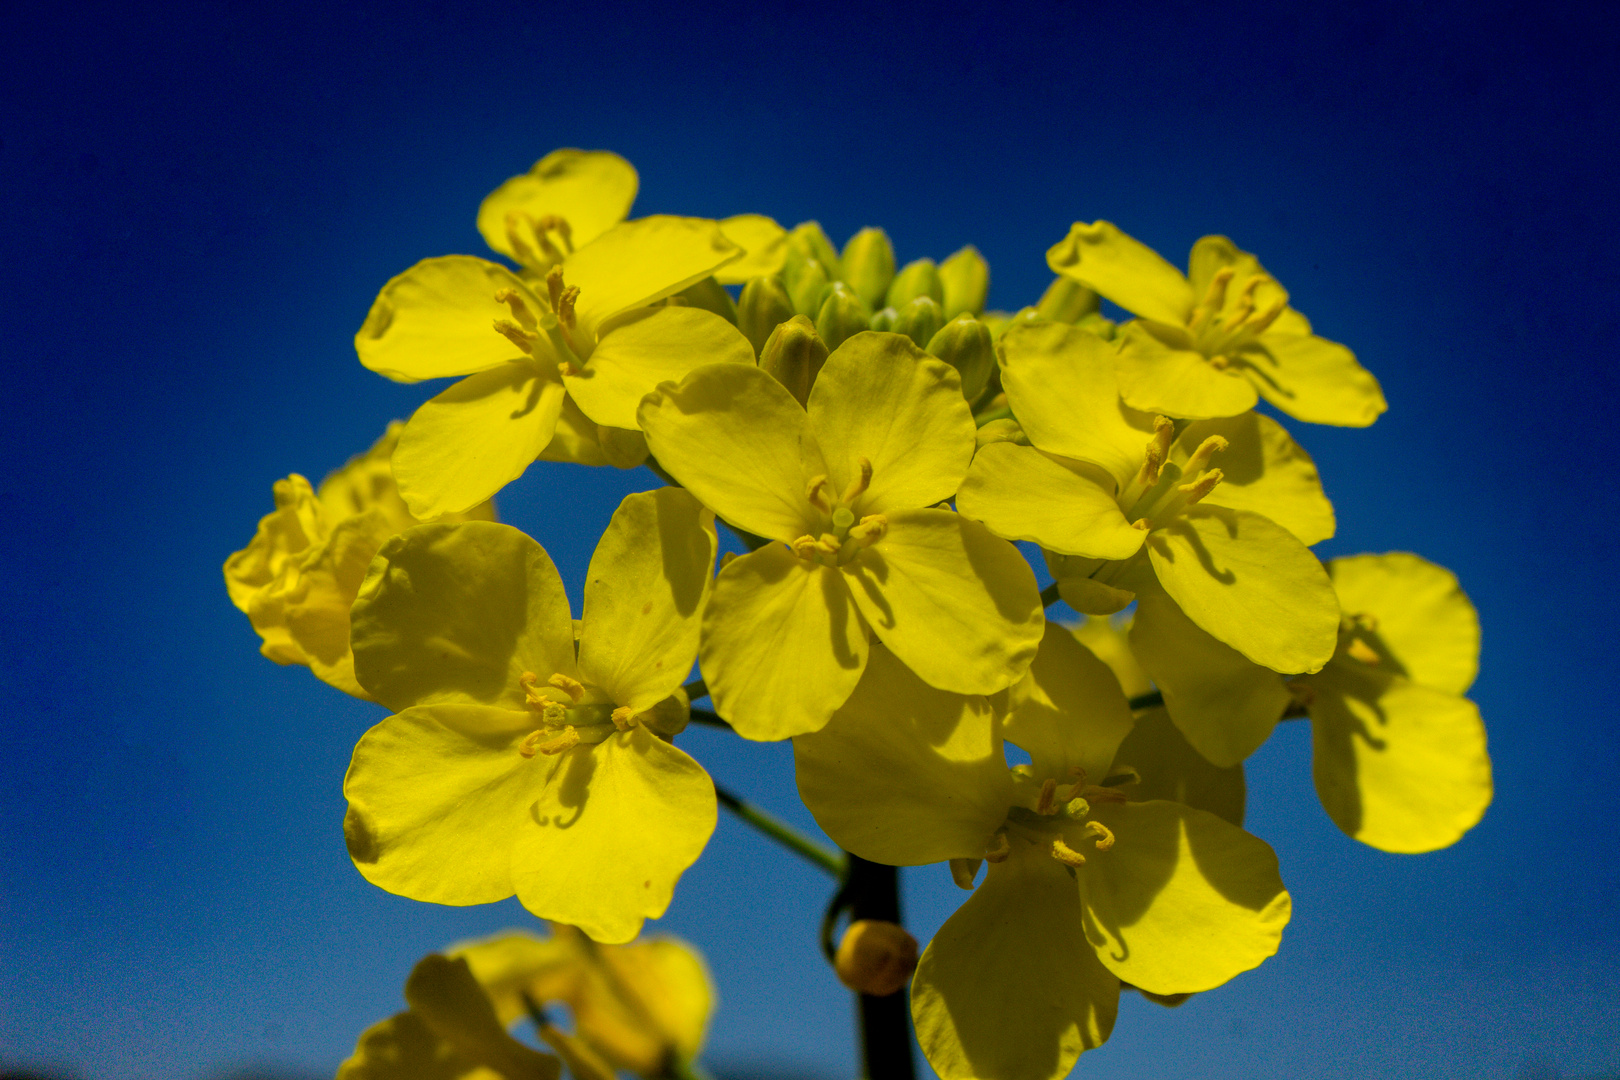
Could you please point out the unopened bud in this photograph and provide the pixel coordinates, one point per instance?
(966, 345)
(764, 304)
(884, 320)
(808, 288)
(920, 318)
(793, 356)
(920, 278)
(709, 295)
(868, 265)
(1066, 300)
(875, 957)
(1098, 324)
(806, 241)
(965, 277)
(842, 315)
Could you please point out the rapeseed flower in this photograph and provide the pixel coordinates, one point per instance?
(300, 573)
(1213, 341)
(516, 761)
(1087, 886)
(848, 488)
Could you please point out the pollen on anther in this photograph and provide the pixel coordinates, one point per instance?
(1066, 855)
(1047, 803)
(1104, 835)
(999, 850)
(624, 718)
(568, 685)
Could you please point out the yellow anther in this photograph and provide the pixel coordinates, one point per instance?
(514, 333)
(515, 222)
(565, 307)
(559, 225)
(569, 369)
(549, 742)
(530, 682)
(1158, 448)
(870, 530)
(963, 872)
(520, 311)
(528, 747)
(816, 492)
(857, 486)
(1262, 322)
(1215, 295)
(568, 685)
(1079, 784)
(625, 718)
(554, 285)
(1360, 650)
(1206, 450)
(828, 546)
(1105, 836)
(1201, 487)
(1066, 855)
(805, 548)
(1245, 301)
(999, 850)
(1047, 803)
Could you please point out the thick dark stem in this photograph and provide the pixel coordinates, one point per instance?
(873, 892)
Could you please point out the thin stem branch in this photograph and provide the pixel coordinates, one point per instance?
(872, 891)
(827, 859)
(1050, 595)
(696, 689)
(1147, 701)
(707, 719)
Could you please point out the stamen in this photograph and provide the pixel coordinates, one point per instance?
(1215, 295)
(1098, 794)
(1066, 855)
(1365, 621)
(857, 486)
(565, 306)
(1046, 805)
(625, 718)
(1360, 650)
(559, 225)
(805, 548)
(827, 544)
(963, 871)
(872, 528)
(1261, 323)
(1206, 450)
(1201, 487)
(520, 311)
(568, 685)
(1120, 775)
(1158, 448)
(514, 333)
(1219, 362)
(816, 492)
(1245, 302)
(554, 285)
(515, 220)
(999, 852)
(549, 743)
(1079, 784)
(1105, 837)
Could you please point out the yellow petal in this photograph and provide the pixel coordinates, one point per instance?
(366, 481)
(662, 1005)
(1109, 644)
(297, 523)
(1314, 380)
(644, 597)
(592, 189)
(1181, 901)
(764, 244)
(1212, 253)
(514, 961)
(1022, 494)
(736, 439)
(1062, 386)
(1426, 629)
(1124, 270)
(1009, 988)
(576, 438)
(880, 397)
(617, 824)
(1249, 583)
(1068, 712)
(436, 795)
(450, 1002)
(459, 612)
(467, 443)
(1399, 766)
(958, 606)
(329, 578)
(783, 644)
(646, 348)
(403, 1047)
(1225, 704)
(436, 320)
(905, 774)
(1091, 597)
(1264, 470)
(637, 262)
(1161, 373)
(1171, 769)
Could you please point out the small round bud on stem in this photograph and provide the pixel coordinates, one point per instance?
(920, 278)
(919, 319)
(793, 356)
(875, 957)
(808, 287)
(965, 277)
(868, 263)
(842, 315)
(764, 305)
(1066, 300)
(966, 345)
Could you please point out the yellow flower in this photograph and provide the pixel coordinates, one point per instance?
(1086, 888)
(510, 765)
(1213, 341)
(1135, 505)
(296, 579)
(848, 487)
(552, 371)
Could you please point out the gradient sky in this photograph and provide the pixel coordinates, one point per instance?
(199, 207)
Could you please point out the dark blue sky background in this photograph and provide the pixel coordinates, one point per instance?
(200, 204)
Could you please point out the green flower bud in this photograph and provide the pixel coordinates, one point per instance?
(709, 295)
(1098, 324)
(920, 319)
(842, 314)
(966, 280)
(1022, 315)
(920, 278)
(764, 304)
(793, 356)
(806, 241)
(966, 345)
(1066, 300)
(806, 291)
(884, 320)
(868, 263)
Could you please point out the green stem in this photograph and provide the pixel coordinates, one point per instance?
(707, 719)
(1147, 701)
(831, 861)
(1050, 595)
(695, 690)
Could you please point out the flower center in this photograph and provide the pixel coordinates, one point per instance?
(1060, 819)
(559, 325)
(1221, 332)
(842, 536)
(564, 726)
(531, 238)
(1158, 493)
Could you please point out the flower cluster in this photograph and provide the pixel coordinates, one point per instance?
(877, 443)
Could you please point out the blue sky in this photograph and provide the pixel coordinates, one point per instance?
(201, 203)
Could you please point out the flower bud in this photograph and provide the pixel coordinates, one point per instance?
(920, 278)
(842, 314)
(875, 957)
(1098, 324)
(965, 277)
(709, 295)
(884, 320)
(1066, 300)
(920, 319)
(764, 304)
(793, 356)
(966, 345)
(806, 241)
(868, 264)
(808, 287)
